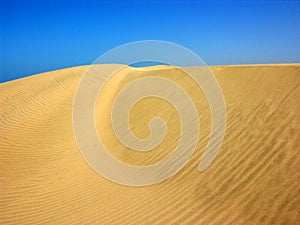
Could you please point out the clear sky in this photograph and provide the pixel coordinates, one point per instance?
(39, 36)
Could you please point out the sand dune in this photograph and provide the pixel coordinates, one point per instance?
(254, 179)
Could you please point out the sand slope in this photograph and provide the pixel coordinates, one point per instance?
(254, 179)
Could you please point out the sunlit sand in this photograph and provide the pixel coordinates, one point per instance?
(253, 180)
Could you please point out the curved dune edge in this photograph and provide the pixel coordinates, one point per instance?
(254, 179)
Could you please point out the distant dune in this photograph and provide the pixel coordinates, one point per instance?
(255, 178)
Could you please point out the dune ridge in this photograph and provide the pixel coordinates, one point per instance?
(254, 179)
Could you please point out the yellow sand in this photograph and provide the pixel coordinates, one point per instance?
(254, 179)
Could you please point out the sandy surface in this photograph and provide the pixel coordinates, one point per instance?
(254, 179)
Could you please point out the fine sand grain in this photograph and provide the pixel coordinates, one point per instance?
(253, 180)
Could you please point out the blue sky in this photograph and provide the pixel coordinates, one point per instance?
(39, 36)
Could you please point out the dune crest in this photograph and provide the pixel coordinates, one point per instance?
(254, 179)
